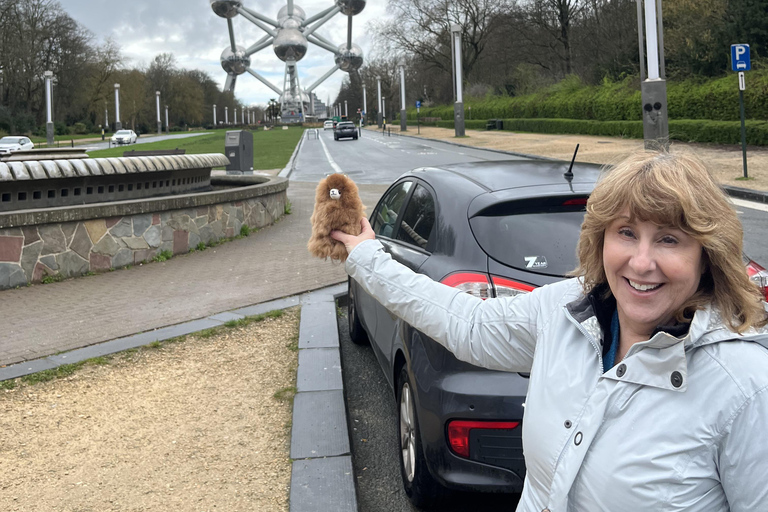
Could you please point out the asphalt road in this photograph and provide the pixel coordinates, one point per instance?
(144, 139)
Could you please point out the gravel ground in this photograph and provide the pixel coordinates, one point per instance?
(202, 424)
(724, 161)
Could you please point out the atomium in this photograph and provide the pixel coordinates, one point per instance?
(235, 63)
(289, 36)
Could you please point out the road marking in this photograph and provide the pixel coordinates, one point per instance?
(750, 204)
(335, 167)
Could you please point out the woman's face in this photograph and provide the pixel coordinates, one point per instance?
(652, 271)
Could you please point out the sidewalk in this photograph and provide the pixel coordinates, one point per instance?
(724, 161)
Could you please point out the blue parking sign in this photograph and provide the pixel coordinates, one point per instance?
(740, 57)
(418, 104)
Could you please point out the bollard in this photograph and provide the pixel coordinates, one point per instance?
(71, 143)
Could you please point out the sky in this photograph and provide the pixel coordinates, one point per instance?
(196, 36)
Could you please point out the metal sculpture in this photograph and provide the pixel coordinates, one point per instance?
(289, 36)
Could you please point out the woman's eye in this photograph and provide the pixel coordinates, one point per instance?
(669, 240)
(626, 232)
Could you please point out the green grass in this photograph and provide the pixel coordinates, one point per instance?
(67, 138)
(164, 255)
(271, 149)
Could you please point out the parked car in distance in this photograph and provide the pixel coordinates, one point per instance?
(328, 125)
(345, 129)
(491, 229)
(124, 137)
(14, 143)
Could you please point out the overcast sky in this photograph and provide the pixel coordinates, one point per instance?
(196, 36)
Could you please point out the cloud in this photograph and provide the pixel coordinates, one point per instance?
(196, 36)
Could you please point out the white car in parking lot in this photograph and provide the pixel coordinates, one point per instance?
(124, 137)
(13, 144)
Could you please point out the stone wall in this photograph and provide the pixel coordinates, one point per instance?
(71, 248)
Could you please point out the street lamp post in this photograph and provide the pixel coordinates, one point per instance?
(403, 124)
(214, 116)
(157, 108)
(346, 112)
(167, 128)
(48, 108)
(118, 125)
(458, 107)
(365, 106)
(226, 115)
(378, 82)
(653, 89)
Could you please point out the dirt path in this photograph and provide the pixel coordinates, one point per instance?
(725, 162)
(197, 425)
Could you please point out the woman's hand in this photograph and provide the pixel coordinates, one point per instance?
(351, 241)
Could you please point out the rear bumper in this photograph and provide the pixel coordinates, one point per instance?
(496, 462)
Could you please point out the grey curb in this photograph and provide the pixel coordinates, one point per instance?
(291, 165)
(737, 192)
(321, 470)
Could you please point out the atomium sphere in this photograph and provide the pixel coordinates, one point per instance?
(351, 7)
(290, 23)
(298, 13)
(349, 60)
(226, 8)
(235, 63)
(288, 98)
(290, 44)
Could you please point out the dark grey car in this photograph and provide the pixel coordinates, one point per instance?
(491, 229)
(345, 129)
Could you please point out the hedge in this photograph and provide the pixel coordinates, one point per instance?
(713, 99)
(687, 130)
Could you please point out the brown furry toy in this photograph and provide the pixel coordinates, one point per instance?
(337, 206)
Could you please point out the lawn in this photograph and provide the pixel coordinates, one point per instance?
(271, 149)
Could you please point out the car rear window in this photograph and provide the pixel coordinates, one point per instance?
(542, 243)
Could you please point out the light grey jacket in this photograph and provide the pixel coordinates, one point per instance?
(679, 424)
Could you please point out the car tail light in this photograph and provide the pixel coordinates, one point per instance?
(581, 201)
(759, 276)
(509, 288)
(458, 432)
(470, 282)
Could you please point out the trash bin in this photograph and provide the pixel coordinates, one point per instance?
(499, 124)
(238, 147)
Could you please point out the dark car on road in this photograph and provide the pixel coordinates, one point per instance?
(492, 229)
(345, 129)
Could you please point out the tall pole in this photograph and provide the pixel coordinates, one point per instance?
(157, 106)
(167, 128)
(378, 82)
(226, 115)
(106, 116)
(118, 125)
(458, 107)
(48, 108)
(365, 106)
(346, 112)
(653, 90)
(403, 115)
(214, 116)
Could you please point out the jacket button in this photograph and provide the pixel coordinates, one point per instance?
(567, 423)
(578, 438)
(621, 370)
(677, 379)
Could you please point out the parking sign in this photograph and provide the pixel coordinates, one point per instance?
(418, 104)
(740, 57)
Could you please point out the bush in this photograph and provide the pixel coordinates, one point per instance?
(79, 129)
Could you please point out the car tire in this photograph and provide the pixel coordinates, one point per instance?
(355, 137)
(356, 331)
(420, 486)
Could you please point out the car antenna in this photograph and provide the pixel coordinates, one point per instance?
(569, 174)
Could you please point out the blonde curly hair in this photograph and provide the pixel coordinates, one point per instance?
(675, 190)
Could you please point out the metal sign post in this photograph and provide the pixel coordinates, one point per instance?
(740, 62)
(418, 121)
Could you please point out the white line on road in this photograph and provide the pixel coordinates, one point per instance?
(749, 204)
(330, 158)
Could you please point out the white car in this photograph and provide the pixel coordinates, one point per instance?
(13, 144)
(124, 137)
(328, 125)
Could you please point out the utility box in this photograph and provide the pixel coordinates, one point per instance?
(238, 147)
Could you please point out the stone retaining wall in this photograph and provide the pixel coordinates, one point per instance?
(71, 248)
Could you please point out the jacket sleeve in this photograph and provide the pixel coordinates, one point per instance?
(499, 334)
(743, 457)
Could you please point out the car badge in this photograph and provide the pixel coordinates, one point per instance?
(536, 262)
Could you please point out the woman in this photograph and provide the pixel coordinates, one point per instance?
(648, 387)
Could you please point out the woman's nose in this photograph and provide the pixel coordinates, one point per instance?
(643, 260)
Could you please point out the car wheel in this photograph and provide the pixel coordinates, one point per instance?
(355, 137)
(356, 332)
(420, 487)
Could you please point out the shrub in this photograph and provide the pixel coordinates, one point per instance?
(79, 129)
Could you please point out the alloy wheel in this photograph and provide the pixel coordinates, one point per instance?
(407, 432)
